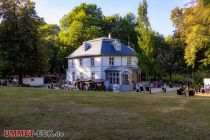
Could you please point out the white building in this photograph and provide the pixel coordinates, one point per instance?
(34, 81)
(106, 59)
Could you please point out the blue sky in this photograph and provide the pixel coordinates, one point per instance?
(158, 10)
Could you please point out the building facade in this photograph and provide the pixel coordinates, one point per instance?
(105, 59)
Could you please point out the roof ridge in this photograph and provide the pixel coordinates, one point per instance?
(101, 38)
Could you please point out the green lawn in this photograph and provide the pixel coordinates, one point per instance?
(99, 115)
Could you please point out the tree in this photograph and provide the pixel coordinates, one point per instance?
(21, 46)
(122, 28)
(146, 51)
(49, 33)
(82, 23)
(170, 56)
(192, 24)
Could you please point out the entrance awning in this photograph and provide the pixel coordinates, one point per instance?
(125, 73)
(114, 68)
(119, 68)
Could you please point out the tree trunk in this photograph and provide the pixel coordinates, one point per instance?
(170, 75)
(191, 74)
(20, 76)
(149, 81)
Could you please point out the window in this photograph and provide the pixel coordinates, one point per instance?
(81, 75)
(92, 75)
(80, 63)
(87, 46)
(73, 64)
(113, 77)
(125, 80)
(73, 76)
(111, 61)
(92, 62)
(32, 79)
(117, 45)
(128, 60)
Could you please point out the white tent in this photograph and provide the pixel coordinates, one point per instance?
(206, 82)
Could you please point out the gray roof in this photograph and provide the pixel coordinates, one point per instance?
(101, 47)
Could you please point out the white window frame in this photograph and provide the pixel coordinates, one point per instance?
(93, 75)
(73, 76)
(129, 60)
(81, 62)
(114, 77)
(111, 61)
(92, 61)
(125, 79)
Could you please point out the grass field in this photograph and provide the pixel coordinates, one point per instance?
(99, 115)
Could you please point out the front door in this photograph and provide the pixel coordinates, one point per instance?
(135, 77)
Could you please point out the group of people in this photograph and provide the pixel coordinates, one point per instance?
(186, 90)
(205, 89)
(88, 85)
(139, 87)
(8, 83)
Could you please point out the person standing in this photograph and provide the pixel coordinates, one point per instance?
(137, 87)
(208, 88)
(164, 87)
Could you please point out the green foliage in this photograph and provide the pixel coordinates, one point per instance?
(143, 20)
(82, 23)
(198, 77)
(192, 25)
(88, 14)
(148, 42)
(21, 46)
(49, 33)
(122, 28)
(170, 56)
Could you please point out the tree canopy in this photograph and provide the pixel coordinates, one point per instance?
(82, 23)
(122, 28)
(192, 24)
(146, 50)
(21, 46)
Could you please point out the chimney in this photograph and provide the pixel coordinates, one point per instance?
(110, 36)
(128, 41)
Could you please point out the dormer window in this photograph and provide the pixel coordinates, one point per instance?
(87, 46)
(117, 45)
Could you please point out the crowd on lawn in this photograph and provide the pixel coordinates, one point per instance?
(138, 87)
